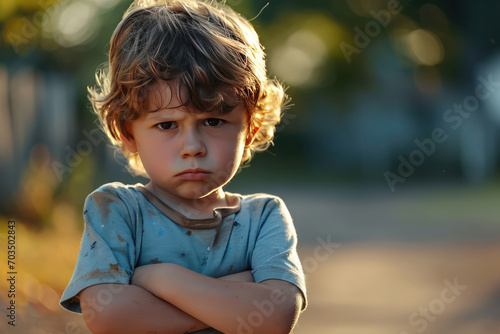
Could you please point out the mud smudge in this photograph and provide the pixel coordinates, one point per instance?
(120, 237)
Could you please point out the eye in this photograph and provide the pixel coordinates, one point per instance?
(166, 125)
(214, 122)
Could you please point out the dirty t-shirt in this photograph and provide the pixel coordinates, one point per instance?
(126, 226)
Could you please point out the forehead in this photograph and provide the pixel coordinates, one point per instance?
(170, 95)
(166, 95)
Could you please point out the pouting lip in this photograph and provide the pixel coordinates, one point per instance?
(196, 170)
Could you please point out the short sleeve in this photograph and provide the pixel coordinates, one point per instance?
(108, 246)
(275, 253)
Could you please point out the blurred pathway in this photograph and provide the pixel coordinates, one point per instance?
(403, 289)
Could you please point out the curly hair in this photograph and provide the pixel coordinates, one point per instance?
(206, 48)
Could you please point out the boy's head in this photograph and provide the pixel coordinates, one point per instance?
(208, 55)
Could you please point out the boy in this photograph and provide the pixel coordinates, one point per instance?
(187, 100)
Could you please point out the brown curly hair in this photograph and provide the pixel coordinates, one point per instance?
(206, 48)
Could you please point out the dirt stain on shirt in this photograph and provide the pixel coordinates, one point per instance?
(113, 267)
(152, 212)
(98, 273)
(103, 201)
(120, 237)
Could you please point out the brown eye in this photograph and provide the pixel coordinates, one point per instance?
(214, 122)
(166, 125)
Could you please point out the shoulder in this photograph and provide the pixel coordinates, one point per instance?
(259, 199)
(114, 196)
(262, 205)
(114, 190)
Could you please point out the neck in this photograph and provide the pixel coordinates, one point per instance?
(194, 208)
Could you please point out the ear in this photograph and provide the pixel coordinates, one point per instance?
(252, 132)
(129, 140)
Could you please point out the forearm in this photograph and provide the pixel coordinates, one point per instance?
(244, 276)
(133, 310)
(224, 305)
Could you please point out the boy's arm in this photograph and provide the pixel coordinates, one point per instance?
(228, 306)
(132, 310)
(121, 308)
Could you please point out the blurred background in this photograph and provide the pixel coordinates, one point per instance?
(388, 159)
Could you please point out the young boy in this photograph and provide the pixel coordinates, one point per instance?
(187, 100)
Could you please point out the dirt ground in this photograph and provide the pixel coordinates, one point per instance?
(371, 289)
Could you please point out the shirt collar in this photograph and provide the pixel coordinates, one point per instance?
(184, 221)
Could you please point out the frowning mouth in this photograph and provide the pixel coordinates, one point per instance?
(194, 174)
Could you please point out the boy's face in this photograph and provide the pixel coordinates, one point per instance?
(188, 155)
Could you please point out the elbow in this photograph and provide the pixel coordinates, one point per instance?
(98, 322)
(285, 322)
(287, 315)
(93, 320)
(99, 318)
(282, 321)
(283, 312)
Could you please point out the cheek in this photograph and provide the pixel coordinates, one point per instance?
(227, 153)
(231, 147)
(153, 154)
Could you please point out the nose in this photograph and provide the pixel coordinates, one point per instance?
(192, 144)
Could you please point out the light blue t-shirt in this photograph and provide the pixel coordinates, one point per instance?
(127, 226)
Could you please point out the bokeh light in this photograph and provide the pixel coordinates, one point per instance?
(297, 60)
(7, 8)
(75, 24)
(424, 47)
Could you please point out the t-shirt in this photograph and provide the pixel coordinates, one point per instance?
(127, 226)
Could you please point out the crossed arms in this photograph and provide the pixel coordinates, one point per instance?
(168, 298)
